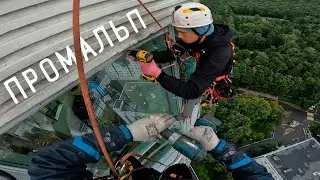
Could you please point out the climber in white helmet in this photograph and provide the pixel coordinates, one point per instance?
(209, 43)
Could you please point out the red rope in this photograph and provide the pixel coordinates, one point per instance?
(84, 86)
(167, 34)
(141, 3)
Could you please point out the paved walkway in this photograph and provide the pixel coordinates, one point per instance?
(256, 93)
(286, 135)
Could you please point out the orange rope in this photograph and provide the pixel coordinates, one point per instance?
(84, 86)
(125, 157)
(166, 33)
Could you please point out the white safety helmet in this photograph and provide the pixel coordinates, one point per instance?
(190, 15)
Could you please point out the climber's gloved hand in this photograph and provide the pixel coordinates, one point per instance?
(205, 135)
(150, 69)
(148, 128)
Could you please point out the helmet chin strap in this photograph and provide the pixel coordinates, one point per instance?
(202, 39)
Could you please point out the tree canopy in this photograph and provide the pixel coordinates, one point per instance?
(278, 44)
(247, 118)
(277, 52)
(210, 169)
(315, 129)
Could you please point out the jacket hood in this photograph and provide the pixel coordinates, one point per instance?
(221, 36)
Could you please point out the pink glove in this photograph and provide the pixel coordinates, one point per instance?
(150, 69)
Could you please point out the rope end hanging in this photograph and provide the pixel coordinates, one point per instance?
(84, 86)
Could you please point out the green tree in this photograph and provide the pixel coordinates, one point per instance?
(278, 44)
(235, 128)
(247, 118)
(315, 128)
(210, 169)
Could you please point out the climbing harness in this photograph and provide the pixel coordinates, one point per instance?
(221, 88)
(178, 51)
(125, 168)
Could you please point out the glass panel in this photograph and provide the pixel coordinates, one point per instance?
(53, 123)
(119, 96)
(120, 87)
(149, 98)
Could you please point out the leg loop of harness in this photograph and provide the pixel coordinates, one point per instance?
(220, 89)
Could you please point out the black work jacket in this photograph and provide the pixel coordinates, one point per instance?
(215, 60)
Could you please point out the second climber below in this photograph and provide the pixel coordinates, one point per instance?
(196, 32)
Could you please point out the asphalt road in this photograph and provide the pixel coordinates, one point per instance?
(287, 135)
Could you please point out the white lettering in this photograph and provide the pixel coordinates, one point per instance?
(64, 61)
(31, 77)
(316, 173)
(46, 60)
(85, 49)
(135, 11)
(15, 80)
(30, 81)
(116, 31)
(96, 34)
